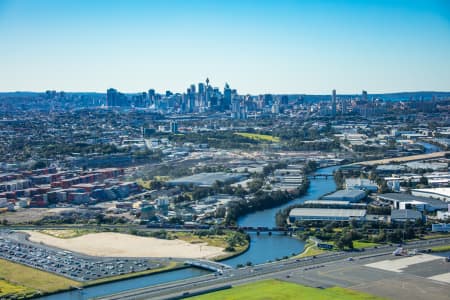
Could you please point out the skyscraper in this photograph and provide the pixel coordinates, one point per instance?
(151, 96)
(226, 96)
(333, 103)
(364, 96)
(111, 97)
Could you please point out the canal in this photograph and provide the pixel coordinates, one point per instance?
(263, 248)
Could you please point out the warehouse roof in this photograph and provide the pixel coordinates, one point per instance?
(405, 214)
(208, 179)
(402, 197)
(345, 193)
(327, 212)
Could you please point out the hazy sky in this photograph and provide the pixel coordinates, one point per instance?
(256, 46)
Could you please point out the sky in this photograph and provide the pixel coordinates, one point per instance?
(257, 46)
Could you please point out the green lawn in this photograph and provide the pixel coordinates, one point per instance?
(310, 250)
(10, 291)
(259, 137)
(443, 248)
(436, 236)
(360, 245)
(34, 279)
(275, 289)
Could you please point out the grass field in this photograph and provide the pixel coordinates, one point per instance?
(68, 233)
(11, 291)
(212, 240)
(435, 236)
(441, 248)
(33, 278)
(310, 250)
(275, 289)
(259, 137)
(360, 245)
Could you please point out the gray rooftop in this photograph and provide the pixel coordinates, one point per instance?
(327, 212)
(402, 197)
(405, 214)
(208, 179)
(346, 193)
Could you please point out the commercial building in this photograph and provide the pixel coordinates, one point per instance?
(208, 179)
(443, 215)
(436, 193)
(403, 215)
(346, 195)
(406, 201)
(440, 227)
(326, 214)
(360, 184)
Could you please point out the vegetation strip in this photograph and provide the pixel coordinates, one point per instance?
(275, 289)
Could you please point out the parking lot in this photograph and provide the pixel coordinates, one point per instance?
(14, 247)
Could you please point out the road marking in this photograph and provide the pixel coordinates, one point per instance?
(445, 277)
(397, 265)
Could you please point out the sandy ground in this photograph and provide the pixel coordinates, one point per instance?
(125, 245)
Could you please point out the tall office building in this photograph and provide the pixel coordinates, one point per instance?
(111, 97)
(201, 94)
(226, 96)
(364, 96)
(151, 96)
(333, 103)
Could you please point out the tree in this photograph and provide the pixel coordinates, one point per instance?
(423, 180)
(39, 165)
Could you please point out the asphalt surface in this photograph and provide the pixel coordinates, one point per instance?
(16, 248)
(281, 269)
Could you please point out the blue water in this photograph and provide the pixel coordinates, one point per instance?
(444, 254)
(263, 248)
(317, 188)
(129, 284)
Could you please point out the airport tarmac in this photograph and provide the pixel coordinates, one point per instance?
(409, 278)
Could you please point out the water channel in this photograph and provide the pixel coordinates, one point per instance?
(263, 248)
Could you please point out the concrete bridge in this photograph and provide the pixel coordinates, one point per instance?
(208, 265)
(314, 176)
(265, 229)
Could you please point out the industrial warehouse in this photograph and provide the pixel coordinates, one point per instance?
(208, 179)
(329, 214)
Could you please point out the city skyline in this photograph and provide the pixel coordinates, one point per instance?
(292, 47)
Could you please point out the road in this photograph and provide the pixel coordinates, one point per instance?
(403, 158)
(181, 288)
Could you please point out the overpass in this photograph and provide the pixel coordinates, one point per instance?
(208, 265)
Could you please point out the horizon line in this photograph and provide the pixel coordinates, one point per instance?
(263, 93)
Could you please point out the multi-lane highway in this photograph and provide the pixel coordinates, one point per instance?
(184, 288)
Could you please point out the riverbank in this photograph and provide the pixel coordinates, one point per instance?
(444, 248)
(311, 249)
(262, 248)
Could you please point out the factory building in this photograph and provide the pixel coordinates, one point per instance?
(346, 195)
(406, 201)
(326, 214)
